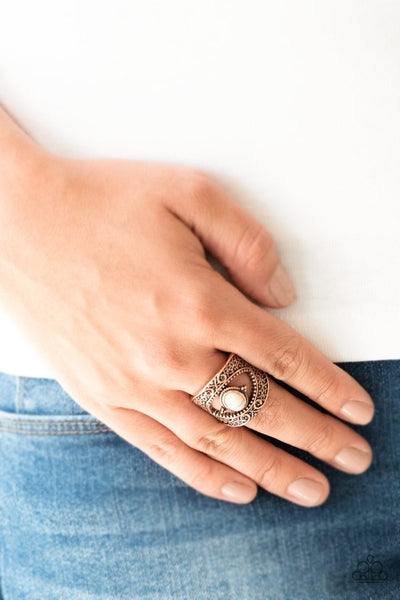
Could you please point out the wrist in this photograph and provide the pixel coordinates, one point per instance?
(21, 160)
(31, 183)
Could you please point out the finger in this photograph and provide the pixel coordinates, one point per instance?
(283, 416)
(273, 346)
(204, 474)
(238, 240)
(295, 422)
(180, 366)
(270, 467)
(246, 453)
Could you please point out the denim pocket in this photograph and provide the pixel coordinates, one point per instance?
(39, 405)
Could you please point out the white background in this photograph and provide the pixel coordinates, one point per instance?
(293, 105)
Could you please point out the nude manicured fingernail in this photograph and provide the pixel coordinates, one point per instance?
(238, 492)
(309, 491)
(280, 287)
(358, 411)
(353, 459)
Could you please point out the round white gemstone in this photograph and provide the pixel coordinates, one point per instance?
(234, 400)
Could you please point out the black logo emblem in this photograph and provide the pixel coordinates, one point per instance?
(369, 571)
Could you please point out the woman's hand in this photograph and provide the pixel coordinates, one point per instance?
(103, 265)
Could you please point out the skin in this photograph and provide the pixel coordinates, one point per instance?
(103, 265)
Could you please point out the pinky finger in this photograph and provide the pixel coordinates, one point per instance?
(201, 472)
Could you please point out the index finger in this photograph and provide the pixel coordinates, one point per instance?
(272, 345)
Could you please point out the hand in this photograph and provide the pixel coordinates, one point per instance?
(103, 265)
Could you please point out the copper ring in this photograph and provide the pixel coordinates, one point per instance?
(234, 405)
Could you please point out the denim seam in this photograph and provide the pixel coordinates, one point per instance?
(48, 432)
(22, 391)
(52, 421)
(17, 400)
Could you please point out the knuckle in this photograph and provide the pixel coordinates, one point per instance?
(218, 443)
(272, 417)
(203, 185)
(168, 357)
(322, 439)
(163, 451)
(288, 361)
(328, 391)
(171, 358)
(270, 472)
(124, 388)
(199, 308)
(201, 478)
(254, 246)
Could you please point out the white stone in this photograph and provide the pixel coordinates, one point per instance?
(233, 400)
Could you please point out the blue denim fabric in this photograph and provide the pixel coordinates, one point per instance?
(86, 516)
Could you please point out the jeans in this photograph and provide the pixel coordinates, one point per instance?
(86, 516)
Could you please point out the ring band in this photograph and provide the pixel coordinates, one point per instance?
(234, 405)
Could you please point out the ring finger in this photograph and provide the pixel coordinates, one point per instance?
(272, 468)
(293, 421)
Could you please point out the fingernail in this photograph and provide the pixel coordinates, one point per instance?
(238, 492)
(358, 411)
(353, 459)
(308, 491)
(281, 288)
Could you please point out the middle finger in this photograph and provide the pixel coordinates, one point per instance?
(295, 422)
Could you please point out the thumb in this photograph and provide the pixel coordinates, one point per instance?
(238, 241)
